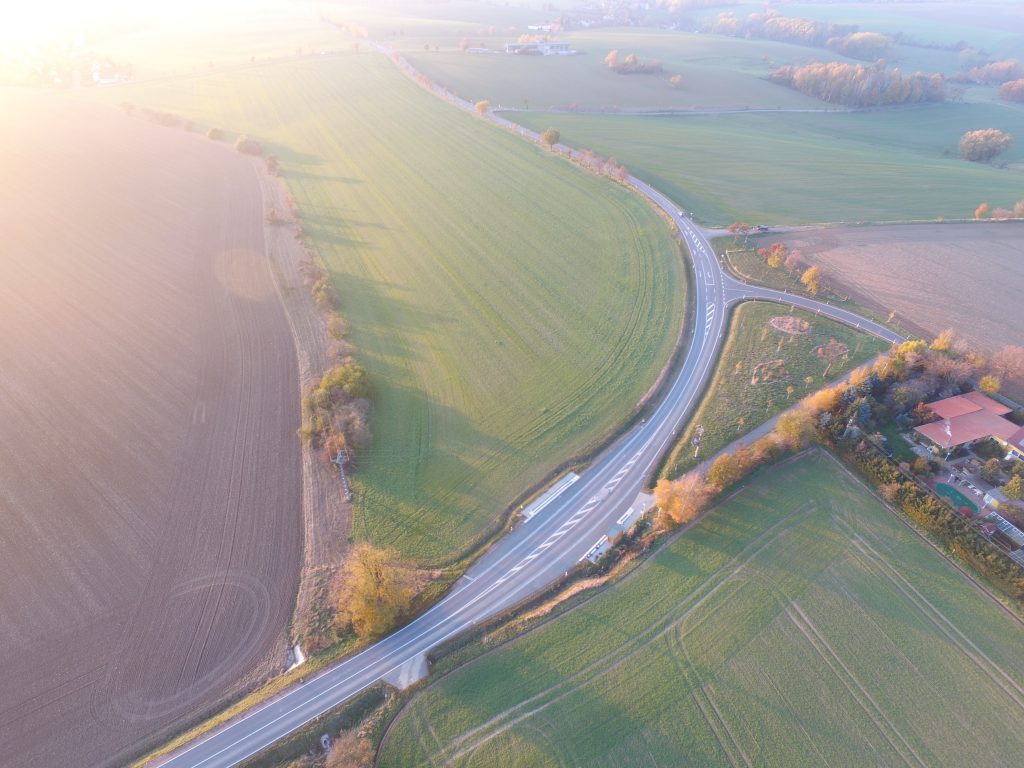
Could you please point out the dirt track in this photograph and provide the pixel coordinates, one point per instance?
(150, 526)
(935, 276)
(326, 514)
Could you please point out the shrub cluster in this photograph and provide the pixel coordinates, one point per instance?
(631, 65)
(868, 46)
(985, 144)
(335, 411)
(162, 118)
(247, 146)
(680, 501)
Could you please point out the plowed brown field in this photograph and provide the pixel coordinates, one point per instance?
(150, 529)
(934, 276)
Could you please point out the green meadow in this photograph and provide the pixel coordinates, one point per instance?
(510, 309)
(717, 73)
(798, 624)
(793, 168)
(763, 370)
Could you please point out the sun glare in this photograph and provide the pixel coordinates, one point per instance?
(34, 24)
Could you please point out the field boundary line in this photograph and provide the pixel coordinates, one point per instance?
(706, 690)
(942, 623)
(936, 691)
(625, 651)
(831, 660)
(689, 674)
(767, 678)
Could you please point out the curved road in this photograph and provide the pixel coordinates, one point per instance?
(540, 550)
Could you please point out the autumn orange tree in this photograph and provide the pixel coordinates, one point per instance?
(989, 384)
(482, 107)
(680, 501)
(375, 590)
(944, 341)
(775, 255)
(795, 428)
(811, 279)
(831, 352)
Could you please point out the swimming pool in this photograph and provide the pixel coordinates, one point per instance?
(955, 496)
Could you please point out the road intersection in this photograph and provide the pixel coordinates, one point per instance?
(540, 550)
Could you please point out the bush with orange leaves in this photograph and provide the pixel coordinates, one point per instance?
(680, 501)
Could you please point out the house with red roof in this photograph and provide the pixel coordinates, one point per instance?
(967, 418)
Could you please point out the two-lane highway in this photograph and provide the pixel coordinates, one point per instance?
(539, 550)
(529, 558)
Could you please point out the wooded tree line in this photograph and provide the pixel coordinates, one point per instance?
(992, 73)
(857, 85)
(786, 29)
(844, 39)
(1012, 90)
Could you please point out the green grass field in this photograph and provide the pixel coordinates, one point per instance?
(510, 308)
(718, 73)
(792, 168)
(799, 624)
(762, 371)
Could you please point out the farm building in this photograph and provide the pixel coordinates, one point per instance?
(967, 418)
(541, 48)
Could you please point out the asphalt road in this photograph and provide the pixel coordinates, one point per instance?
(536, 552)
